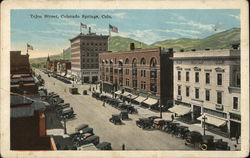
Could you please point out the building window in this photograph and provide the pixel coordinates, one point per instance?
(219, 97)
(153, 87)
(235, 103)
(219, 79)
(143, 85)
(207, 95)
(237, 76)
(107, 69)
(179, 75)
(207, 78)
(179, 90)
(187, 91)
(196, 77)
(127, 82)
(187, 76)
(127, 71)
(143, 73)
(197, 93)
(134, 83)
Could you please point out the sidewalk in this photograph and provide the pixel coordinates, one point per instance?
(198, 127)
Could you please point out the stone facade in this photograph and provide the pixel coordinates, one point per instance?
(208, 82)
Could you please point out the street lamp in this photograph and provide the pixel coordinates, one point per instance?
(160, 108)
(204, 124)
(64, 121)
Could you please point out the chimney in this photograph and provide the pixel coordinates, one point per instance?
(89, 30)
(132, 46)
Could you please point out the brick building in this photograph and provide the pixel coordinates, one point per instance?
(84, 56)
(146, 73)
(19, 63)
(207, 83)
(58, 66)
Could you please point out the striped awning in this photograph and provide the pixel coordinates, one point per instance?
(150, 101)
(140, 99)
(212, 120)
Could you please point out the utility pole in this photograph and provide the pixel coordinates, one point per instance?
(204, 124)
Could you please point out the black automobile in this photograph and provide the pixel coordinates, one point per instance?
(80, 127)
(85, 92)
(182, 131)
(172, 127)
(87, 130)
(221, 145)
(80, 136)
(61, 106)
(166, 125)
(207, 143)
(92, 139)
(193, 137)
(67, 113)
(131, 109)
(104, 146)
(158, 123)
(115, 119)
(144, 123)
(124, 115)
(103, 97)
(122, 106)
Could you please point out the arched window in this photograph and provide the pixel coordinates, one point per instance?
(127, 61)
(134, 62)
(153, 62)
(143, 61)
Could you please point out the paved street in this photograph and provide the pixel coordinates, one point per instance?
(90, 111)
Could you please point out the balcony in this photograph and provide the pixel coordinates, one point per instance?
(219, 107)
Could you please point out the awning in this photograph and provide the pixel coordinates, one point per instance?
(118, 92)
(140, 99)
(180, 110)
(212, 120)
(150, 101)
(125, 94)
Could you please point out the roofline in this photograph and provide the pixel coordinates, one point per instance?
(131, 51)
(83, 35)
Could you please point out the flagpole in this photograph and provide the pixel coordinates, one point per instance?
(109, 38)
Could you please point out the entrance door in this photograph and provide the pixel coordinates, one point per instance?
(94, 79)
(86, 79)
(196, 111)
(235, 129)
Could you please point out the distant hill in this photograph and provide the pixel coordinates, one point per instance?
(216, 41)
(118, 43)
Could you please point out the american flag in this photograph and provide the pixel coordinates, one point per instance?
(83, 26)
(113, 28)
(29, 47)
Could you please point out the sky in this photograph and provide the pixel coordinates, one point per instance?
(50, 35)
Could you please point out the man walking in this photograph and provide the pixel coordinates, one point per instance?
(172, 117)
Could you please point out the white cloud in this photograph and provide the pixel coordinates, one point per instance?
(120, 15)
(234, 16)
(198, 25)
(179, 17)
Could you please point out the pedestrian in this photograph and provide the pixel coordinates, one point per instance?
(93, 88)
(123, 146)
(237, 138)
(103, 103)
(172, 117)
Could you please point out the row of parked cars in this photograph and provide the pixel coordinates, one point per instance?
(195, 138)
(84, 135)
(60, 78)
(115, 102)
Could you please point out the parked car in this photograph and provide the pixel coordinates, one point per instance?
(67, 113)
(85, 92)
(61, 106)
(87, 130)
(81, 136)
(104, 146)
(81, 126)
(166, 125)
(92, 139)
(193, 137)
(124, 115)
(153, 117)
(207, 143)
(131, 109)
(221, 145)
(115, 119)
(144, 123)
(182, 131)
(158, 123)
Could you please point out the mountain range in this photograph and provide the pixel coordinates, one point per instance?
(221, 40)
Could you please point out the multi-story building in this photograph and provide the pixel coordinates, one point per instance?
(207, 83)
(58, 66)
(85, 49)
(19, 63)
(146, 73)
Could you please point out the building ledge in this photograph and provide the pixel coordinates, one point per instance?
(234, 89)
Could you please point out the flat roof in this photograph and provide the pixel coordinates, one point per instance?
(88, 35)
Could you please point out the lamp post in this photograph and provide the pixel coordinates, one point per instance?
(204, 124)
(64, 121)
(160, 108)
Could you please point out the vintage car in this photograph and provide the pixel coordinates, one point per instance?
(144, 123)
(92, 139)
(61, 106)
(124, 115)
(81, 126)
(153, 117)
(104, 146)
(81, 136)
(158, 123)
(221, 145)
(166, 125)
(85, 92)
(207, 143)
(131, 109)
(193, 137)
(67, 113)
(87, 130)
(171, 128)
(116, 103)
(122, 106)
(181, 131)
(115, 119)
(103, 97)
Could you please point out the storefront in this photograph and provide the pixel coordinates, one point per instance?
(235, 125)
